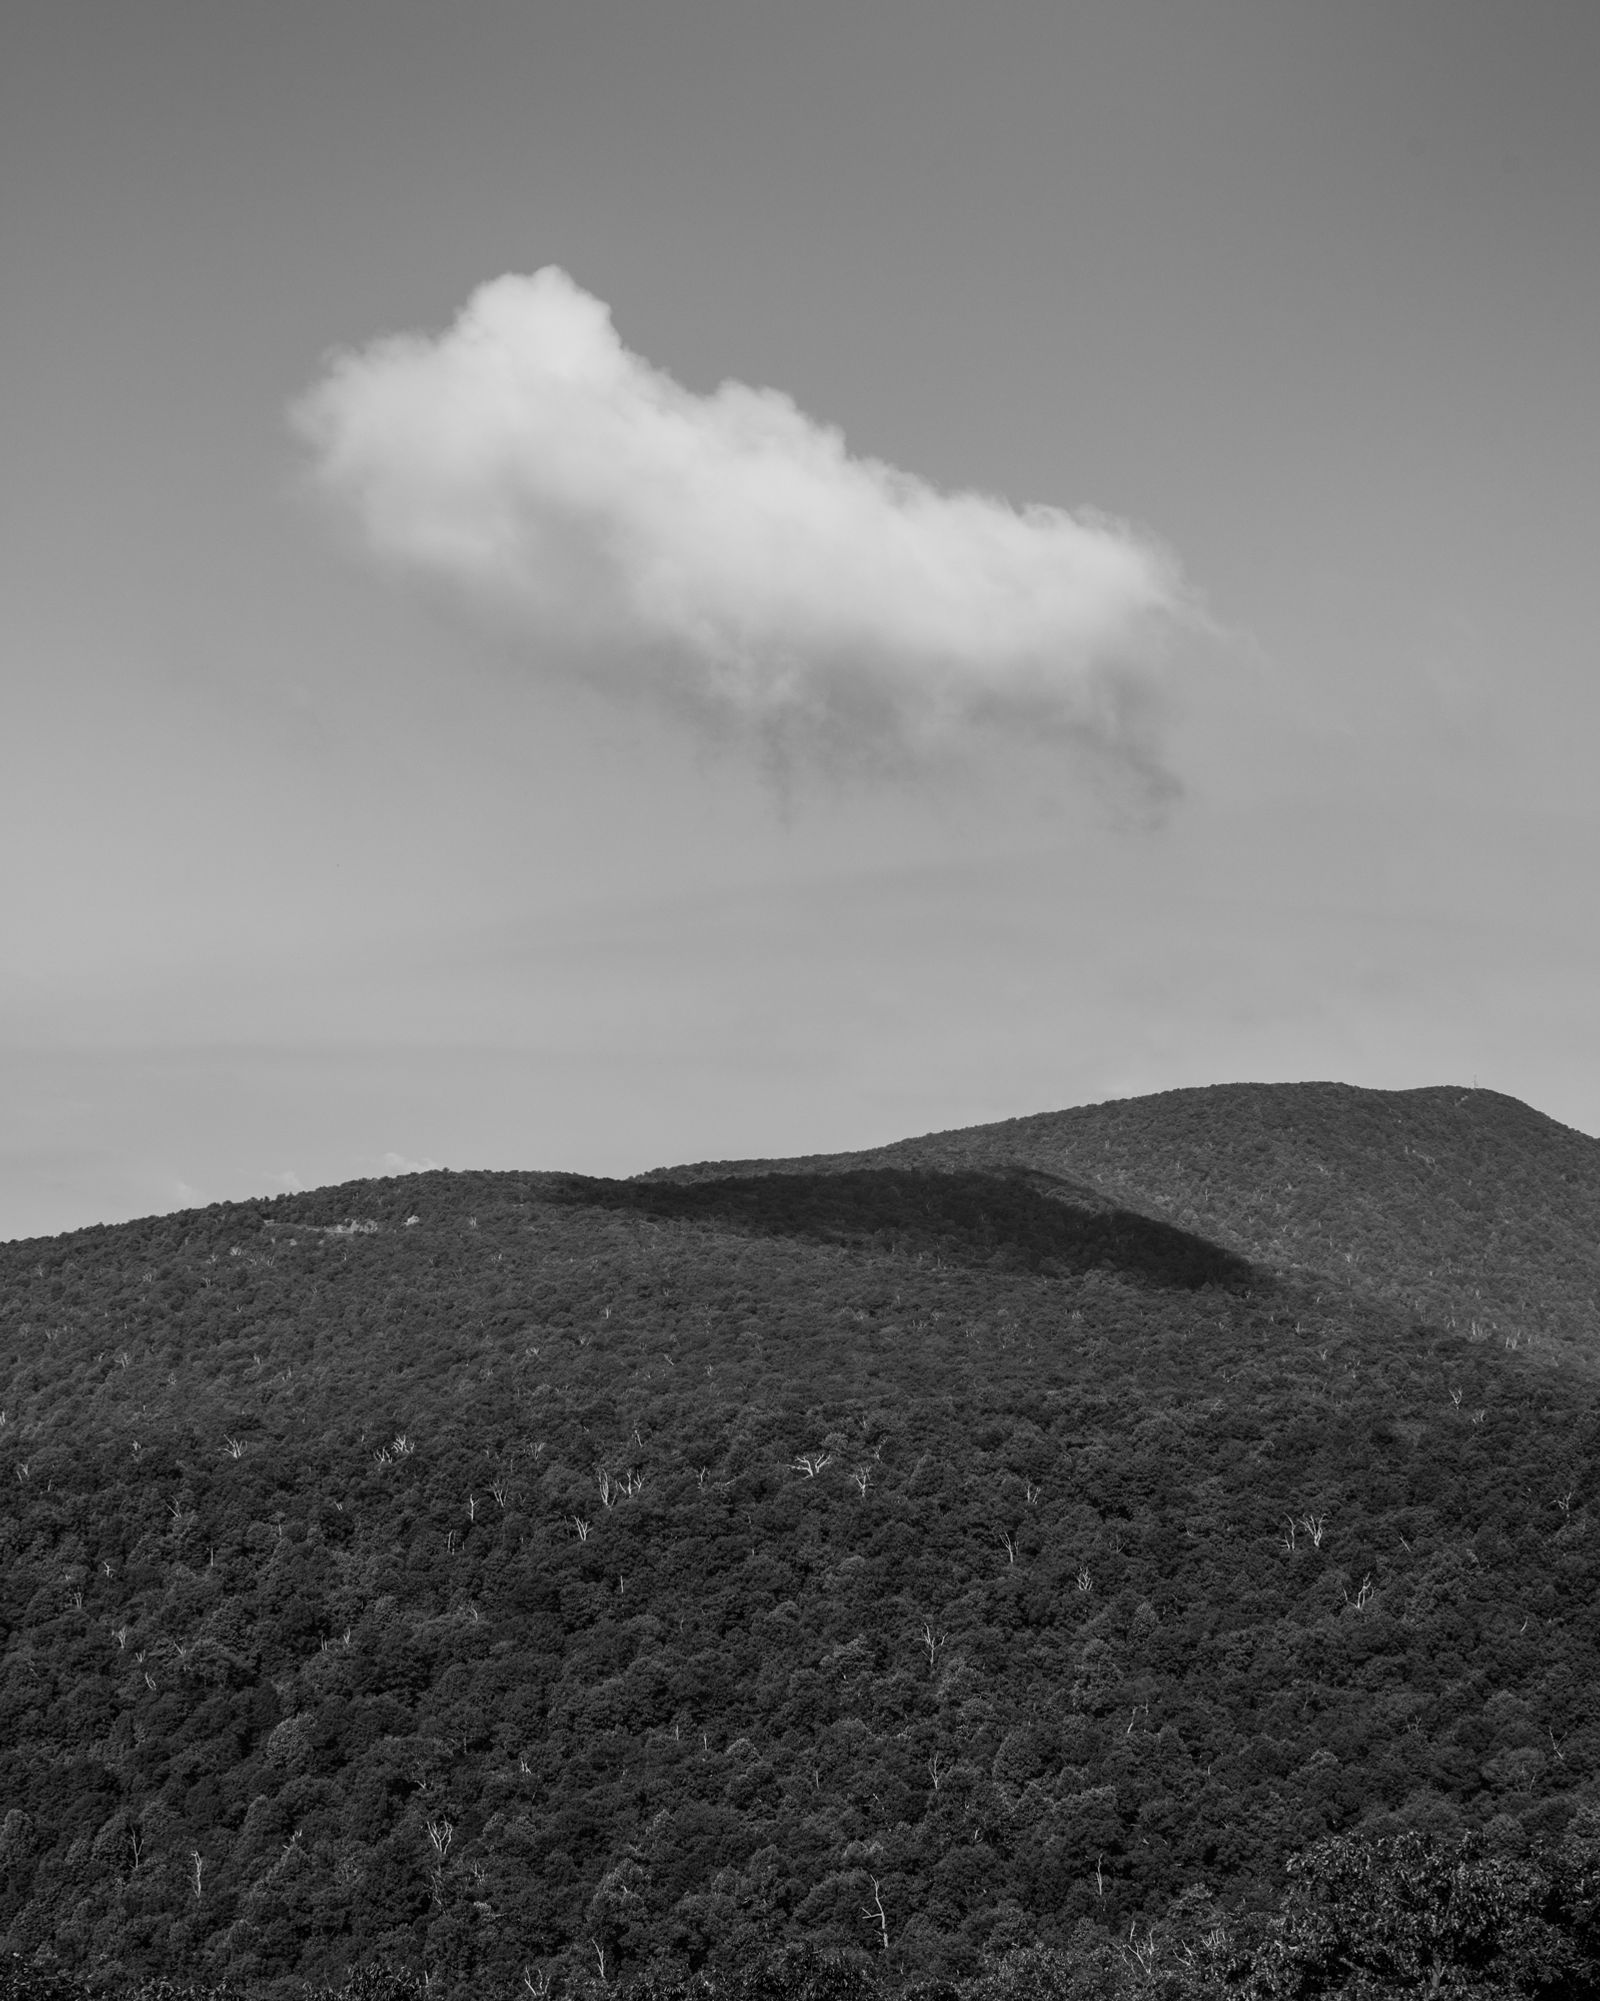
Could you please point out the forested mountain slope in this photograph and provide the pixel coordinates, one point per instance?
(1466, 1206)
(492, 1573)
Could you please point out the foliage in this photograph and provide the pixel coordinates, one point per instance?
(1466, 1207)
(1412, 1915)
(952, 1578)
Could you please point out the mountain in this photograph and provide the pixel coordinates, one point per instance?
(1465, 1207)
(953, 1559)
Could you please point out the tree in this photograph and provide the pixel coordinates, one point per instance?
(1411, 1915)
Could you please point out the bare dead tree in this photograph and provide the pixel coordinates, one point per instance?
(880, 1916)
(1144, 1953)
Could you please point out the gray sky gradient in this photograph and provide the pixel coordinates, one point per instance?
(305, 876)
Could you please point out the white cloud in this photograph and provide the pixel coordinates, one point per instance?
(726, 550)
(399, 1163)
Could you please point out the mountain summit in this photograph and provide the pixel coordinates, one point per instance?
(1467, 1207)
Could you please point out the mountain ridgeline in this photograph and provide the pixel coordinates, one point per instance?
(984, 1563)
(1465, 1207)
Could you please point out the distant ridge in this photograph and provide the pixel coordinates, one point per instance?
(1471, 1208)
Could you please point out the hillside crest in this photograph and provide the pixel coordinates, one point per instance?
(1466, 1206)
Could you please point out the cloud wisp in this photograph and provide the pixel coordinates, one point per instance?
(727, 552)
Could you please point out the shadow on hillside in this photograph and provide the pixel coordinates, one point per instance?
(1019, 1222)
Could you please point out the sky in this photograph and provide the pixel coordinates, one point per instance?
(589, 585)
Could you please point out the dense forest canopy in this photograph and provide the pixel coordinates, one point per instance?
(946, 1568)
(1466, 1206)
